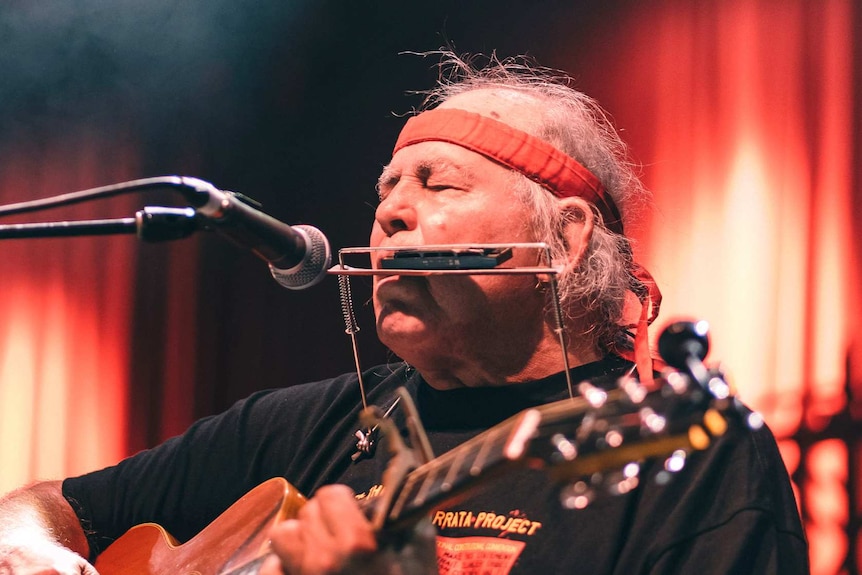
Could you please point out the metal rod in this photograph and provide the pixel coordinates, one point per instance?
(352, 271)
(67, 229)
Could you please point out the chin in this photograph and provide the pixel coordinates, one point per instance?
(400, 332)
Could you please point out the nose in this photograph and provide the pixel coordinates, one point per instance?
(397, 212)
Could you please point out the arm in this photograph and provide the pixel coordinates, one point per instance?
(40, 533)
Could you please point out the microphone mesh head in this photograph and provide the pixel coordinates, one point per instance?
(313, 266)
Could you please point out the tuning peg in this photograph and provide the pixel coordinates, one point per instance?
(577, 495)
(753, 419)
(582, 493)
(624, 481)
(595, 396)
(651, 422)
(633, 389)
(684, 345)
(683, 340)
(672, 465)
(564, 450)
(677, 382)
(676, 461)
(718, 387)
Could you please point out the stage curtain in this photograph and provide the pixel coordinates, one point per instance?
(65, 312)
(745, 116)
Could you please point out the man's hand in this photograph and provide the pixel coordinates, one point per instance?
(40, 533)
(331, 535)
(42, 558)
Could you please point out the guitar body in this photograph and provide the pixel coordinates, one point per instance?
(235, 540)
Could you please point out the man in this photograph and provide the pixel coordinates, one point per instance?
(506, 155)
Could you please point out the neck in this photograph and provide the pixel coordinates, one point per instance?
(485, 368)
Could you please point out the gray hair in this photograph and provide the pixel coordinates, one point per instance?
(594, 294)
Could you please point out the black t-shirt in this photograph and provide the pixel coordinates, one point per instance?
(729, 510)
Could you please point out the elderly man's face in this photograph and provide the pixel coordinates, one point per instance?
(440, 193)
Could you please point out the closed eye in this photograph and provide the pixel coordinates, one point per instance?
(433, 174)
(438, 175)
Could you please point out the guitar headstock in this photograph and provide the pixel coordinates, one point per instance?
(596, 443)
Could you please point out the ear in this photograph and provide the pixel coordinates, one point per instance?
(578, 231)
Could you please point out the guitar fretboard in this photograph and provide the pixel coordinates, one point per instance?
(477, 459)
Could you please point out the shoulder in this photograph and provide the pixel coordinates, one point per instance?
(734, 494)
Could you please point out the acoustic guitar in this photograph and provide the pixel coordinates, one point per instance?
(572, 439)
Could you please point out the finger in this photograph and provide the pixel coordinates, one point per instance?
(272, 566)
(313, 527)
(328, 531)
(344, 519)
(286, 539)
(303, 554)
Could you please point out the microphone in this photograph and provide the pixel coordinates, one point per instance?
(298, 256)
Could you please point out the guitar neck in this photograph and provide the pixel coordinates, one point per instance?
(473, 462)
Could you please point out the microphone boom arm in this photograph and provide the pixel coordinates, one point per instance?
(151, 224)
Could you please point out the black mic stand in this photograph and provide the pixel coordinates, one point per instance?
(151, 224)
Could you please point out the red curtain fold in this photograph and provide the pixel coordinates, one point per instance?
(744, 114)
(64, 316)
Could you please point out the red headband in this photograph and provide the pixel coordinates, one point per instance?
(541, 162)
(557, 172)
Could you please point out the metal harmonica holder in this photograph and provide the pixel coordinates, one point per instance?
(440, 260)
